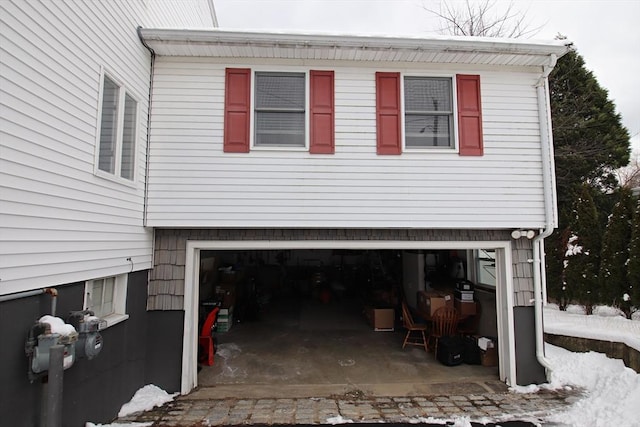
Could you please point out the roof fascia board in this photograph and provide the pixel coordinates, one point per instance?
(271, 39)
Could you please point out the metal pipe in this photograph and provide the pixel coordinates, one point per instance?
(148, 149)
(54, 386)
(546, 142)
(51, 291)
(54, 299)
(25, 294)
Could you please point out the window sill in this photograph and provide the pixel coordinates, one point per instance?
(431, 150)
(279, 148)
(113, 319)
(113, 178)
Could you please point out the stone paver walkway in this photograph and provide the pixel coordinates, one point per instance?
(358, 408)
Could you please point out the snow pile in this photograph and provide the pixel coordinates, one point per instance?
(604, 326)
(58, 326)
(612, 391)
(145, 399)
(119, 425)
(456, 422)
(573, 249)
(338, 419)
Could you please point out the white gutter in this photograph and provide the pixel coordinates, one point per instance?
(364, 41)
(548, 165)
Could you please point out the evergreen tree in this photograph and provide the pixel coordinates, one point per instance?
(582, 255)
(614, 278)
(634, 258)
(554, 248)
(590, 143)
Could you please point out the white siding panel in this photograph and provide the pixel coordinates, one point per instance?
(59, 222)
(194, 184)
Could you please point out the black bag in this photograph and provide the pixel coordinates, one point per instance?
(471, 354)
(450, 350)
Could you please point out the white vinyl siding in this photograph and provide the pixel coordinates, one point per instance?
(194, 184)
(59, 222)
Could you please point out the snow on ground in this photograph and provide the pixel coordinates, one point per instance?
(607, 324)
(144, 399)
(612, 391)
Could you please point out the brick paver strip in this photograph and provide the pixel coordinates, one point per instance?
(357, 407)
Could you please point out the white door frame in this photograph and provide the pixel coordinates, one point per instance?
(504, 288)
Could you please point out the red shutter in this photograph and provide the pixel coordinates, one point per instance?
(469, 115)
(237, 96)
(388, 113)
(321, 101)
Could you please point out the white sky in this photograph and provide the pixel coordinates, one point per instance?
(605, 32)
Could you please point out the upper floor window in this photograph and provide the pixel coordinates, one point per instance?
(425, 117)
(118, 130)
(291, 110)
(428, 112)
(280, 100)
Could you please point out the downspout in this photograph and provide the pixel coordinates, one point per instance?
(148, 150)
(544, 113)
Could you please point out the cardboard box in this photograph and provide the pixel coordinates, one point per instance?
(489, 357)
(382, 319)
(430, 301)
(465, 308)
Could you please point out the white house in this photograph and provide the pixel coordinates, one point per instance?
(298, 142)
(74, 106)
(133, 148)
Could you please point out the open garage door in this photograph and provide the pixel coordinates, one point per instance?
(328, 320)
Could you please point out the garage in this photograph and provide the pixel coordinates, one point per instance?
(303, 321)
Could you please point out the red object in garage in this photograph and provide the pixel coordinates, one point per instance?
(205, 341)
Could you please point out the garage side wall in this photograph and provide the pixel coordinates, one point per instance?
(166, 286)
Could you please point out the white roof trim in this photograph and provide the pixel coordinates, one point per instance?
(231, 43)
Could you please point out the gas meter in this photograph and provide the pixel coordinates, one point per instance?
(43, 335)
(88, 326)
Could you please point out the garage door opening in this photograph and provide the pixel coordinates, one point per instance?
(305, 322)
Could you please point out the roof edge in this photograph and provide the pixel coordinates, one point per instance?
(390, 42)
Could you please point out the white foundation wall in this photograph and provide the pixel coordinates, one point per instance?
(193, 183)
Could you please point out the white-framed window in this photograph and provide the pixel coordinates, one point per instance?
(428, 112)
(107, 298)
(280, 113)
(118, 131)
(485, 267)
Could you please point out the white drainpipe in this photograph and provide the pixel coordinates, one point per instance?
(544, 112)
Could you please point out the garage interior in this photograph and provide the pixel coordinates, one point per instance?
(304, 323)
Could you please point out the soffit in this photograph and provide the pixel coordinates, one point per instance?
(443, 50)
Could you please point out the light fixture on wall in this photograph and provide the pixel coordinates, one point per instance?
(529, 234)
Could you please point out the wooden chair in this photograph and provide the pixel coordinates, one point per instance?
(418, 330)
(445, 322)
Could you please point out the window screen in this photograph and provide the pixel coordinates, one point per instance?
(108, 126)
(128, 138)
(280, 109)
(428, 105)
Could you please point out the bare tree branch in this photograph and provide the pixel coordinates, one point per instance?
(476, 19)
